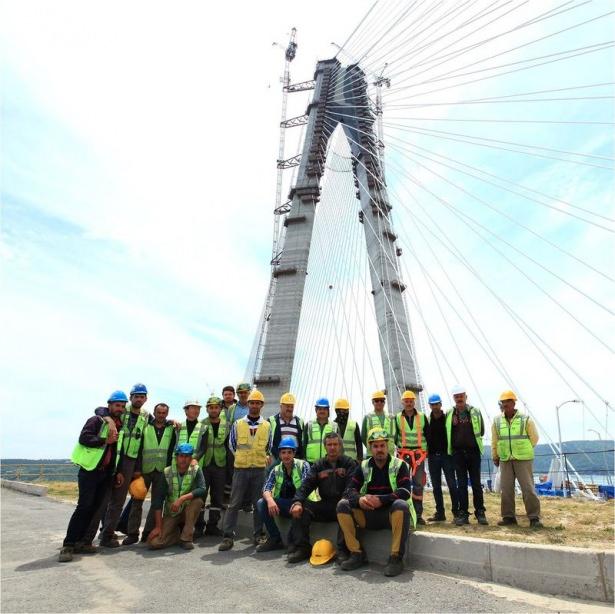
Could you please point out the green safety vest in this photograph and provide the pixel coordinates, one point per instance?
(194, 439)
(88, 458)
(411, 438)
(178, 488)
(513, 441)
(475, 417)
(278, 472)
(372, 421)
(315, 449)
(132, 439)
(350, 447)
(394, 465)
(154, 453)
(231, 413)
(215, 445)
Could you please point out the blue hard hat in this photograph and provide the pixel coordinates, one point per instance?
(288, 442)
(434, 398)
(117, 395)
(139, 389)
(322, 402)
(185, 448)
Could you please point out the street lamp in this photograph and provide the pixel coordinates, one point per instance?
(559, 431)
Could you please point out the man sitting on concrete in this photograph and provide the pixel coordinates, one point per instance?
(378, 497)
(181, 496)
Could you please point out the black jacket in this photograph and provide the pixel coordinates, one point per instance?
(331, 481)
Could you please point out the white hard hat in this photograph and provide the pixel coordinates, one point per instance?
(457, 389)
(192, 402)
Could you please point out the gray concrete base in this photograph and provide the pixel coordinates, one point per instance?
(571, 572)
(26, 487)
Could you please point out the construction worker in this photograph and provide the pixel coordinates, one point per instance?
(181, 497)
(412, 430)
(464, 437)
(158, 445)
(96, 454)
(214, 453)
(228, 399)
(191, 430)
(330, 476)
(134, 421)
(440, 460)
(285, 424)
(379, 419)
(250, 442)
(279, 491)
(240, 409)
(513, 439)
(349, 430)
(378, 497)
(315, 431)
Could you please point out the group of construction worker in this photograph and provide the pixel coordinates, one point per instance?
(284, 467)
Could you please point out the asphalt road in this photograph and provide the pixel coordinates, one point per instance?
(134, 579)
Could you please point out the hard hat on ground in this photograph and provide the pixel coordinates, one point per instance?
(508, 395)
(342, 404)
(377, 434)
(137, 489)
(322, 552)
(408, 394)
(434, 398)
(139, 389)
(213, 401)
(244, 386)
(185, 448)
(458, 389)
(287, 399)
(192, 401)
(256, 395)
(322, 402)
(288, 443)
(117, 396)
(379, 394)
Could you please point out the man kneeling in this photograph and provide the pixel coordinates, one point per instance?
(181, 496)
(378, 497)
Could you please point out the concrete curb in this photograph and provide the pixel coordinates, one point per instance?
(25, 487)
(573, 572)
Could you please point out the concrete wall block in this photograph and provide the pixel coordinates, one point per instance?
(608, 574)
(25, 487)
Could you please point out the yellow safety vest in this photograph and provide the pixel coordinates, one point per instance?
(251, 450)
(513, 441)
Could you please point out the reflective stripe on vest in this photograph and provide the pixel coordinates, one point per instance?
(388, 425)
(87, 457)
(132, 438)
(154, 453)
(315, 449)
(194, 439)
(215, 445)
(411, 438)
(279, 476)
(475, 417)
(513, 441)
(251, 449)
(394, 465)
(350, 446)
(178, 488)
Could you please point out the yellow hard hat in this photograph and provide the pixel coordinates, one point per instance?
(256, 395)
(288, 399)
(137, 489)
(322, 552)
(408, 394)
(508, 395)
(342, 404)
(379, 394)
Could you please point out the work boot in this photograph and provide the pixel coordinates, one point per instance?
(394, 566)
(481, 518)
(227, 544)
(420, 520)
(259, 539)
(437, 518)
(507, 521)
(341, 556)
(130, 539)
(354, 561)
(187, 545)
(536, 524)
(300, 554)
(269, 545)
(291, 548)
(461, 520)
(85, 548)
(212, 529)
(66, 554)
(109, 542)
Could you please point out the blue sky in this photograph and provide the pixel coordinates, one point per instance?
(138, 176)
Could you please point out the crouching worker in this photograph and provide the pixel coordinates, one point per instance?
(181, 496)
(378, 497)
(279, 491)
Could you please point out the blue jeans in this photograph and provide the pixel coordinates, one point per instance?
(441, 462)
(270, 524)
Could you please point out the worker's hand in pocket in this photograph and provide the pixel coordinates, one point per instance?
(119, 480)
(273, 508)
(296, 510)
(155, 532)
(365, 504)
(496, 462)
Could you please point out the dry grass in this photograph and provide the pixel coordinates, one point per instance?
(568, 522)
